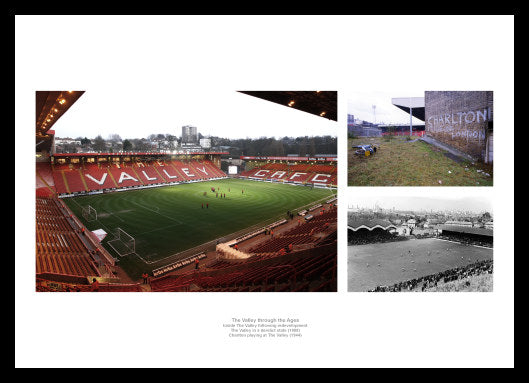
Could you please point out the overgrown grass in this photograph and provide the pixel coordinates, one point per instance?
(401, 162)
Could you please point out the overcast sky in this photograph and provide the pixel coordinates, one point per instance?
(360, 104)
(214, 112)
(475, 204)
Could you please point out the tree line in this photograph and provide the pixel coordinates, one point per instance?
(270, 146)
(262, 146)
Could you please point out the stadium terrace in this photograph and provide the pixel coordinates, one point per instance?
(80, 173)
(315, 171)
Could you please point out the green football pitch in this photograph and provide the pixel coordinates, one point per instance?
(168, 220)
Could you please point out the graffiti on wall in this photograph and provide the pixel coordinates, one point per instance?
(461, 124)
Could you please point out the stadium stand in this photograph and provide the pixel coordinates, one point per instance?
(59, 247)
(67, 259)
(326, 169)
(98, 178)
(308, 270)
(69, 178)
(364, 237)
(148, 175)
(59, 167)
(301, 257)
(47, 286)
(363, 231)
(467, 235)
(59, 180)
(124, 176)
(74, 181)
(302, 234)
(478, 268)
(168, 172)
(45, 184)
(297, 173)
(215, 171)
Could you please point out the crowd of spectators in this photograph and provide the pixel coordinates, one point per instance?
(423, 283)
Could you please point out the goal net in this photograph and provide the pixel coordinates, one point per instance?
(89, 213)
(123, 243)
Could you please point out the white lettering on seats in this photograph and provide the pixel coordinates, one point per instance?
(315, 178)
(187, 172)
(167, 174)
(295, 175)
(100, 182)
(203, 170)
(278, 172)
(147, 177)
(124, 176)
(258, 173)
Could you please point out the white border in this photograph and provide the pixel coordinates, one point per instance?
(344, 53)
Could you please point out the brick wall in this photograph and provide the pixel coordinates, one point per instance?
(462, 120)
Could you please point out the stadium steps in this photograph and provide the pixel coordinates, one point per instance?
(59, 249)
(137, 175)
(83, 180)
(159, 169)
(65, 182)
(216, 171)
(112, 178)
(58, 182)
(125, 182)
(149, 174)
(51, 191)
(97, 173)
(179, 165)
(73, 179)
(213, 170)
(159, 173)
(179, 172)
(45, 172)
(201, 170)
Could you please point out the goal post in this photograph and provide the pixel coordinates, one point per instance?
(89, 213)
(123, 243)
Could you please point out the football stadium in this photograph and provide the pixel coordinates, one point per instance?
(381, 260)
(175, 221)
